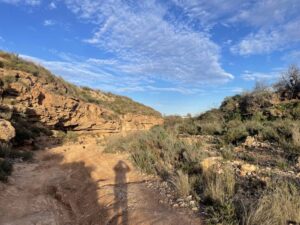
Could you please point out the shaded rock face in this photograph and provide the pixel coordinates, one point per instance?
(66, 113)
(7, 131)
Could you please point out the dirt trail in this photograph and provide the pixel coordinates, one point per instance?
(79, 184)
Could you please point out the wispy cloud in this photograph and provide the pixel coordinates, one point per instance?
(292, 57)
(24, 2)
(52, 5)
(209, 13)
(144, 43)
(100, 75)
(277, 25)
(274, 25)
(262, 76)
(48, 23)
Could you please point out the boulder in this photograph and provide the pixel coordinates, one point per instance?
(247, 169)
(7, 131)
(207, 163)
(249, 142)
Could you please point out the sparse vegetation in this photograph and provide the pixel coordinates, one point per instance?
(279, 205)
(181, 183)
(158, 151)
(248, 132)
(219, 189)
(267, 118)
(7, 155)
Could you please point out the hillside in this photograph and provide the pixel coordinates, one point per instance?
(34, 92)
(104, 157)
(241, 161)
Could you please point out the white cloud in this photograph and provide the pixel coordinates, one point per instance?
(1, 39)
(144, 43)
(208, 13)
(25, 2)
(277, 25)
(48, 23)
(262, 76)
(274, 25)
(52, 5)
(292, 57)
(100, 75)
(271, 40)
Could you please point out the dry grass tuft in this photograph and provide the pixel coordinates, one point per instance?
(276, 207)
(181, 183)
(219, 184)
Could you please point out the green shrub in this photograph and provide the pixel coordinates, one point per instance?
(6, 151)
(211, 128)
(270, 134)
(251, 103)
(5, 169)
(253, 127)
(145, 160)
(70, 136)
(285, 133)
(188, 126)
(296, 112)
(230, 108)
(156, 150)
(236, 132)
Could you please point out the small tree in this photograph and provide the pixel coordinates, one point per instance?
(289, 85)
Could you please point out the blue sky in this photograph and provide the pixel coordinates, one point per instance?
(177, 56)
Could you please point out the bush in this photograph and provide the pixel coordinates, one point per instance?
(219, 184)
(5, 149)
(236, 132)
(289, 85)
(158, 150)
(7, 152)
(5, 169)
(219, 189)
(70, 136)
(211, 122)
(253, 127)
(181, 183)
(285, 133)
(253, 102)
(230, 108)
(145, 160)
(188, 126)
(277, 206)
(296, 112)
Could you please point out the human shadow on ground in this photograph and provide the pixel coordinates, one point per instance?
(120, 194)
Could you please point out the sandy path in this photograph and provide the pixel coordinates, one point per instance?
(79, 184)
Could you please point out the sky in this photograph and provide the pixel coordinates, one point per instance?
(177, 56)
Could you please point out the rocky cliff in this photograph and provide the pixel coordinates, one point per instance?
(34, 93)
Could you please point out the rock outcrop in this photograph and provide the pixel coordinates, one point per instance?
(46, 100)
(7, 131)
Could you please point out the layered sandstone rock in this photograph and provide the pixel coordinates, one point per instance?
(32, 97)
